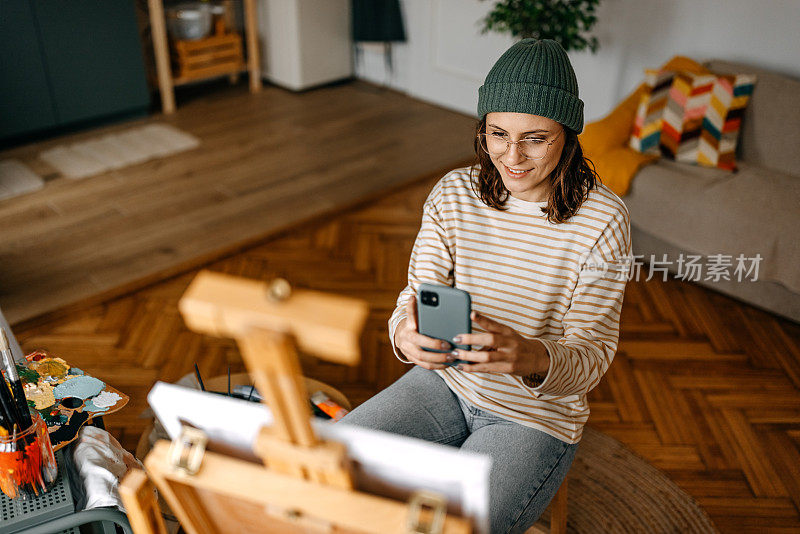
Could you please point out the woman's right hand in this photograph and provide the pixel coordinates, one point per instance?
(410, 342)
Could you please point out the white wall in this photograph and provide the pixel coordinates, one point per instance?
(446, 57)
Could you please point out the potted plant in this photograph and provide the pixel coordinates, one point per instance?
(565, 21)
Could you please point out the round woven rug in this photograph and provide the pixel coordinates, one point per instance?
(611, 489)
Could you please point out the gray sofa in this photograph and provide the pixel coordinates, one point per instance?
(678, 208)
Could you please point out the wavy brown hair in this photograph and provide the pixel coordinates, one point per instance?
(570, 181)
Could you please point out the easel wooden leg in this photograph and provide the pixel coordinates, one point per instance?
(140, 503)
(272, 359)
(276, 372)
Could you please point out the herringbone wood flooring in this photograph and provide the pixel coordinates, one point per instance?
(704, 387)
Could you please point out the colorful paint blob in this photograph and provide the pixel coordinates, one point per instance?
(41, 394)
(82, 387)
(27, 375)
(106, 399)
(50, 369)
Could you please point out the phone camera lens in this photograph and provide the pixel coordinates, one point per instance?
(430, 298)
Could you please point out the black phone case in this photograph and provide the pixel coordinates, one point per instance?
(445, 321)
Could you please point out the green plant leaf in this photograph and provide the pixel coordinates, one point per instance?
(567, 21)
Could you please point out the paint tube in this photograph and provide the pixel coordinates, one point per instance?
(324, 403)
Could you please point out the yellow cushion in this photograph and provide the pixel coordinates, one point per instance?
(618, 166)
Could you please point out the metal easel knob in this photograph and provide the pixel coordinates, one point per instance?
(187, 450)
(426, 503)
(278, 290)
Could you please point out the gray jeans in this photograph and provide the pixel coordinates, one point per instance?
(528, 466)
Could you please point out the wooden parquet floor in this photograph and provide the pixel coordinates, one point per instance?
(705, 388)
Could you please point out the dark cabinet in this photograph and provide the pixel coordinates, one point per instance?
(68, 62)
(25, 101)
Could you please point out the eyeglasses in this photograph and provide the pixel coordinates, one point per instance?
(498, 143)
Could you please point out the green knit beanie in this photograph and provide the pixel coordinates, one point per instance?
(534, 76)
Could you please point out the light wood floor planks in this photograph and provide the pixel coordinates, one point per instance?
(267, 161)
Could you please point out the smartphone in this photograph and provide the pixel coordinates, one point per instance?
(444, 312)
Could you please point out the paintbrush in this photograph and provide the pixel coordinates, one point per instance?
(25, 455)
(199, 379)
(6, 419)
(10, 456)
(8, 407)
(14, 383)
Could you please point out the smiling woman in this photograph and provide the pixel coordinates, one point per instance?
(523, 165)
(543, 248)
(546, 163)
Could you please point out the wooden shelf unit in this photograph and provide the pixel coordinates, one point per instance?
(161, 47)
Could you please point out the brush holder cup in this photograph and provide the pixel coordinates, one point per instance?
(27, 463)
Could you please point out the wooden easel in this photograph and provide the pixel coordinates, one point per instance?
(305, 484)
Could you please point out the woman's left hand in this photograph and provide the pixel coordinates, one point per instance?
(503, 350)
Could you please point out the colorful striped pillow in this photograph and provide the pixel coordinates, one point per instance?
(693, 118)
(646, 135)
(702, 118)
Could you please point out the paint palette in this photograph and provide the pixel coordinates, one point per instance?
(65, 396)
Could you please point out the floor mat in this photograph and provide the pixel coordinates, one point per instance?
(16, 178)
(118, 150)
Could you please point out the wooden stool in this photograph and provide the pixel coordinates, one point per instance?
(558, 511)
(558, 514)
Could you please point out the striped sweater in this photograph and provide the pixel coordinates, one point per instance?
(560, 283)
